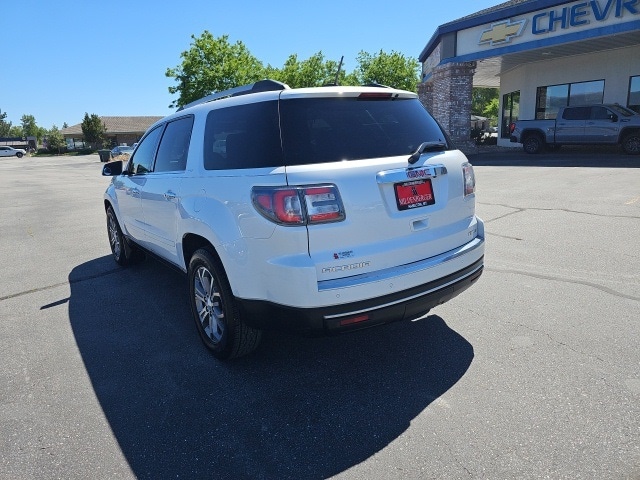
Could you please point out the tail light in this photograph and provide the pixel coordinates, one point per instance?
(299, 205)
(375, 96)
(512, 127)
(469, 179)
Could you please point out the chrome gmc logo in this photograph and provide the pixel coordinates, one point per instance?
(417, 173)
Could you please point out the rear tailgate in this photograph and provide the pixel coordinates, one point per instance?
(398, 209)
(395, 213)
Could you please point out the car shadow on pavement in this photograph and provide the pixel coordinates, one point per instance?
(296, 408)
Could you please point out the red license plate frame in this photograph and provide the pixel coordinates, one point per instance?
(414, 194)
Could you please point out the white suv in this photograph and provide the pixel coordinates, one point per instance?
(12, 152)
(318, 210)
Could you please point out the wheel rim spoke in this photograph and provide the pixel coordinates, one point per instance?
(200, 293)
(209, 304)
(113, 236)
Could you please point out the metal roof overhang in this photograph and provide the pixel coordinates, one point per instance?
(490, 68)
(492, 63)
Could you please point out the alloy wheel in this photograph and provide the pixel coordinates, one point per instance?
(209, 304)
(114, 236)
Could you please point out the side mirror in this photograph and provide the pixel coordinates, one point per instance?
(613, 117)
(112, 169)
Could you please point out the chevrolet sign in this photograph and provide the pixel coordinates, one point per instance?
(586, 14)
(502, 32)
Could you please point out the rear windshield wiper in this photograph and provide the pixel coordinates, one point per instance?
(426, 147)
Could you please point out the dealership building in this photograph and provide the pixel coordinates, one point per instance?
(542, 55)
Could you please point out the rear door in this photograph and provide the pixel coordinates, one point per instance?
(396, 212)
(570, 127)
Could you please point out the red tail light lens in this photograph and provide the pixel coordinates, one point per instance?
(352, 320)
(323, 204)
(299, 205)
(469, 179)
(286, 205)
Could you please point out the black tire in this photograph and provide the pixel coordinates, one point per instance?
(631, 143)
(215, 311)
(19, 154)
(123, 252)
(533, 143)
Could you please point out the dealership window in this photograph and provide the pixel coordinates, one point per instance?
(510, 112)
(551, 98)
(585, 93)
(634, 94)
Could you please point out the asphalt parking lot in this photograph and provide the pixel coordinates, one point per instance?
(534, 372)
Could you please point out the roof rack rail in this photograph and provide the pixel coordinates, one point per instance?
(259, 86)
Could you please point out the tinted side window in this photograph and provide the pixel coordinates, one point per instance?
(599, 113)
(317, 130)
(174, 146)
(244, 136)
(143, 157)
(576, 113)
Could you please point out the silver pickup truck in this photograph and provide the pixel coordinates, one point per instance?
(581, 125)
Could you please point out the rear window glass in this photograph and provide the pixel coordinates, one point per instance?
(315, 130)
(318, 130)
(244, 136)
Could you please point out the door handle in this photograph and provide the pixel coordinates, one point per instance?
(169, 195)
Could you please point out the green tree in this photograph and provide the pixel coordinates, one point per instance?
(55, 139)
(29, 126)
(313, 72)
(16, 131)
(391, 69)
(94, 130)
(491, 108)
(482, 99)
(212, 65)
(41, 133)
(5, 126)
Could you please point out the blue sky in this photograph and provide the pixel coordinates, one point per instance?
(67, 57)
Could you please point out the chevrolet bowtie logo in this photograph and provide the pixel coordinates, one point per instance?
(502, 32)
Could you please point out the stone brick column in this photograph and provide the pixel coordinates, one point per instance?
(425, 94)
(447, 95)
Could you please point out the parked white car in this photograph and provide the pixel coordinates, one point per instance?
(6, 151)
(329, 210)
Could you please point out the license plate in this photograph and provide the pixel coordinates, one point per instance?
(414, 194)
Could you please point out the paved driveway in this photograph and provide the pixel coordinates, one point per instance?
(532, 373)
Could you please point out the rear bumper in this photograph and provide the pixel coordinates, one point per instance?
(404, 305)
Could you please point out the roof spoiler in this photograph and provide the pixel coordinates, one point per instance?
(259, 86)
